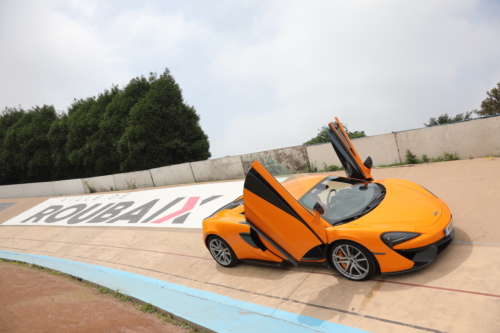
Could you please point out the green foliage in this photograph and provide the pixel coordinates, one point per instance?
(491, 105)
(104, 290)
(26, 155)
(144, 125)
(84, 119)
(329, 168)
(90, 187)
(445, 119)
(148, 308)
(411, 158)
(162, 129)
(58, 138)
(120, 296)
(114, 123)
(323, 137)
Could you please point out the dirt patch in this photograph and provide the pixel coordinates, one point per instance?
(37, 301)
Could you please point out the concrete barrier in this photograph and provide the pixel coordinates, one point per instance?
(218, 169)
(131, 180)
(383, 149)
(44, 189)
(321, 155)
(11, 191)
(70, 186)
(292, 158)
(172, 175)
(100, 184)
(469, 139)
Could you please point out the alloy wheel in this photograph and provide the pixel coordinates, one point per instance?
(350, 262)
(220, 252)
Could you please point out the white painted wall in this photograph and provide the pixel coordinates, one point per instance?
(173, 174)
(44, 189)
(11, 191)
(131, 180)
(70, 186)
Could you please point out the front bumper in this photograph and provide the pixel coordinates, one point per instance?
(425, 255)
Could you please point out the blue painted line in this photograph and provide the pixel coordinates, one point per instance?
(476, 243)
(210, 310)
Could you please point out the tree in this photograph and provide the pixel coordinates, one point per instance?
(114, 123)
(323, 137)
(162, 129)
(8, 118)
(84, 119)
(26, 149)
(445, 119)
(58, 138)
(491, 105)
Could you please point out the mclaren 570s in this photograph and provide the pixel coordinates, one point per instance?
(355, 224)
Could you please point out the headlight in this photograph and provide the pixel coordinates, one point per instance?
(393, 238)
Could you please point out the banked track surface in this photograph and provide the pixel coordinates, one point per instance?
(459, 292)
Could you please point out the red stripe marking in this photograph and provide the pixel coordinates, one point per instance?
(295, 270)
(188, 206)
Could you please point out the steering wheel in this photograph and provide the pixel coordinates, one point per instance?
(331, 201)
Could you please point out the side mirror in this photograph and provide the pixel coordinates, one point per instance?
(368, 163)
(317, 207)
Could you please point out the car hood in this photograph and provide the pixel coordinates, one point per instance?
(407, 205)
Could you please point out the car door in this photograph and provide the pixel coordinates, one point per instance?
(278, 218)
(349, 157)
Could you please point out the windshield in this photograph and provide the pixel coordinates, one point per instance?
(343, 199)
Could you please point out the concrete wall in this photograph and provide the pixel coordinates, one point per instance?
(218, 169)
(292, 158)
(383, 149)
(11, 191)
(173, 174)
(131, 180)
(70, 186)
(44, 189)
(100, 184)
(474, 138)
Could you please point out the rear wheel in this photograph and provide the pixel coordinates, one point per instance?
(222, 252)
(353, 260)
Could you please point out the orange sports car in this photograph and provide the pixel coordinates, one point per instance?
(356, 224)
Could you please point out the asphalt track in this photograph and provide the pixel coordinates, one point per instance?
(459, 292)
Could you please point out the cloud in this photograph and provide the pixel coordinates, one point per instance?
(49, 58)
(57, 51)
(379, 67)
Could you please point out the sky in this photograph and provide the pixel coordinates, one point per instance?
(261, 74)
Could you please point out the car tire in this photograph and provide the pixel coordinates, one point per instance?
(221, 251)
(353, 260)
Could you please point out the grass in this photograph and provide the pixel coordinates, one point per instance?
(104, 290)
(413, 159)
(122, 297)
(144, 307)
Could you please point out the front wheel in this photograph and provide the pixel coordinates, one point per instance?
(222, 252)
(353, 260)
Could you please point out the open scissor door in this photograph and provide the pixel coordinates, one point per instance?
(279, 219)
(348, 156)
